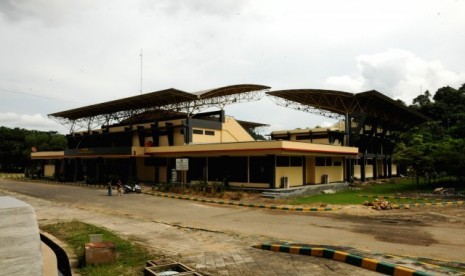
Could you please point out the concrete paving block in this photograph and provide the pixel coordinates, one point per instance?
(20, 248)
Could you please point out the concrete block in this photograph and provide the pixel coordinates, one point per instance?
(100, 253)
(20, 245)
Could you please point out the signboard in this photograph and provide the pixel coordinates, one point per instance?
(182, 164)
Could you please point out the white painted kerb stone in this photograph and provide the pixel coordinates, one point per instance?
(20, 245)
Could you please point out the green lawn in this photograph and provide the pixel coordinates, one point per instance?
(396, 187)
(130, 259)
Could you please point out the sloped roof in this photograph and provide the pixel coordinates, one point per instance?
(148, 100)
(372, 103)
(153, 100)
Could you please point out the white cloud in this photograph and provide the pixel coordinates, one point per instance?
(397, 73)
(36, 121)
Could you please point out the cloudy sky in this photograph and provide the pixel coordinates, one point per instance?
(57, 54)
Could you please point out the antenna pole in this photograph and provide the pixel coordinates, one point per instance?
(141, 71)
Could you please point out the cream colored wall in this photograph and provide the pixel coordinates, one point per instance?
(144, 173)
(294, 175)
(335, 174)
(234, 132)
(204, 139)
(163, 175)
(249, 185)
(368, 171)
(315, 173)
(178, 138)
(310, 170)
(49, 170)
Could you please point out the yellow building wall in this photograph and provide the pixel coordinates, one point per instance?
(144, 173)
(49, 170)
(202, 138)
(310, 170)
(368, 171)
(335, 174)
(234, 132)
(163, 174)
(314, 174)
(249, 185)
(294, 175)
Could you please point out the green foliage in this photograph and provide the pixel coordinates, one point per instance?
(16, 145)
(402, 186)
(130, 259)
(436, 147)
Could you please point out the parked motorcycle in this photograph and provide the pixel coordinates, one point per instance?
(132, 189)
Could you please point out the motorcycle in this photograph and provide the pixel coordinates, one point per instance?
(132, 189)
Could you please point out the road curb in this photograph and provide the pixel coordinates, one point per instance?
(345, 257)
(250, 205)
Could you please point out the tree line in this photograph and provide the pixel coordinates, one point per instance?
(16, 145)
(437, 147)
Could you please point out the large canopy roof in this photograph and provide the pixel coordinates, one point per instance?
(153, 99)
(331, 103)
(168, 99)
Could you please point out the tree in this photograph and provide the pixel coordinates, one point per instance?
(16, 144)
(415, 153)
(437, 146)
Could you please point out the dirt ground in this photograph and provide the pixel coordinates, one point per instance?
(165, 225)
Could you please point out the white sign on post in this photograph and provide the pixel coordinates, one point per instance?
(182, 164)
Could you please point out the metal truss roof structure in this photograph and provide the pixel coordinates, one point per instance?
(169, 100)
(338, 104)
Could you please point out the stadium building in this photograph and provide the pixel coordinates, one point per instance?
(166, 136)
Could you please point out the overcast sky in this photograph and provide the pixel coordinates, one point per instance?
(57, 55)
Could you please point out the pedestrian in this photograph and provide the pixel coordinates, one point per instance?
(109, 187)
(120, 187)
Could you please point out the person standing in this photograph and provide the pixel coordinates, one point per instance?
(120, 187)
(109, 187)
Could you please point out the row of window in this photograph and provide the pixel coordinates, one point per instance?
(326, 162)
(202, 132)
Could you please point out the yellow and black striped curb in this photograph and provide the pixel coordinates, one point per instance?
(251, 205)
(433, 262)
(367, 263)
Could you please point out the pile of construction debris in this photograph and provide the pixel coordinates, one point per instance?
(379, 204)
(444, 191)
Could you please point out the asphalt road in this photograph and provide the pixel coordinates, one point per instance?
(403, 232)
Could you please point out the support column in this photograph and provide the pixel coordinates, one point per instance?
(375, 168)
(385, 166)
(272, 164)
(363, 167)
(389, 166)
(348, 163)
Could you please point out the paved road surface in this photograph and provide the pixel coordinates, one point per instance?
(169, 220)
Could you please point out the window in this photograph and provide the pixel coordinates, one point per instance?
(209, 132)
(282, 161)
(197, 131)
(325, 161)
(329, 161)
(320, 161)
(296, 161)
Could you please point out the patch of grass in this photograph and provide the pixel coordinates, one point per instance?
(130, 257)
(404, 186)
